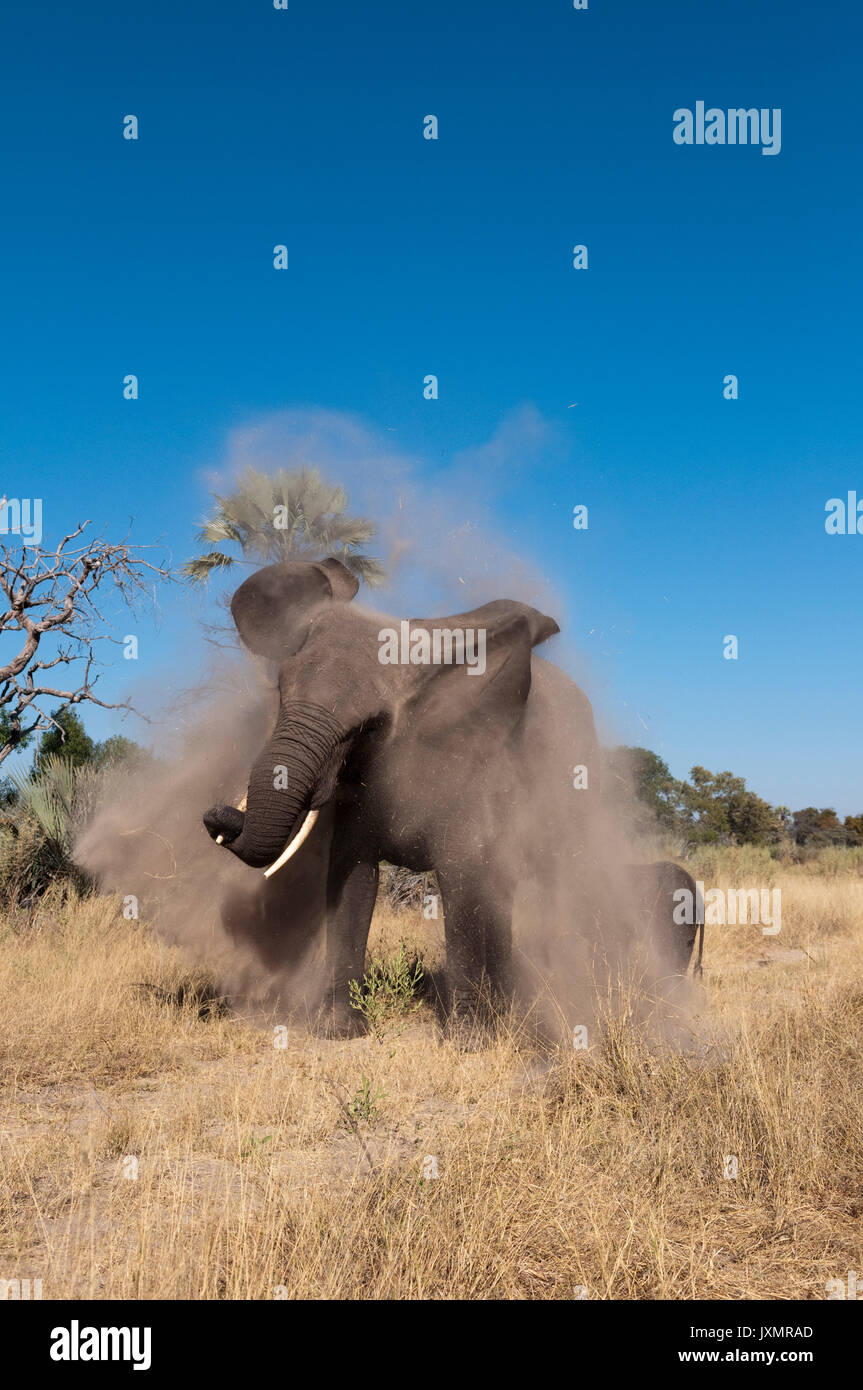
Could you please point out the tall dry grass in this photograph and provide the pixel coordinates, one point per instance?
(156, 1145)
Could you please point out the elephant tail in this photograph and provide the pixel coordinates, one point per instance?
(699, 968)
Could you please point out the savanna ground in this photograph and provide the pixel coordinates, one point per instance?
(304, 1171)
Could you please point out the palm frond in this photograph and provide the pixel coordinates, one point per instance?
(369, 571)
(59, 796)
(218, 528)
(352, 532)
(201, 567)
(313, 523)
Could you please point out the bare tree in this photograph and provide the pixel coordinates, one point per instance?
(54, 599)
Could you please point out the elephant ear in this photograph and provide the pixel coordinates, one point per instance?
(454, 697)
(275, 606)
(492, 615)
(343, 584)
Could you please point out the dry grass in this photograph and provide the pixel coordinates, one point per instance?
(601, 1169)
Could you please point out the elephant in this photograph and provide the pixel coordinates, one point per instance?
(653, 887)
(432, 764)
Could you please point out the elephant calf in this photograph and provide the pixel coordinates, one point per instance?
(653, 887)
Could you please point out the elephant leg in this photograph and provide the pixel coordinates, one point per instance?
(352, 886)
(478, 930)
(498, 955)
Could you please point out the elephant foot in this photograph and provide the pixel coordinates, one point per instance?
(337, 1020)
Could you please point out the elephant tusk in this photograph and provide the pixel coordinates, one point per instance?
(293, 845)
(241, 806)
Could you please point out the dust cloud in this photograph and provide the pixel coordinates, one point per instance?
(582, 938)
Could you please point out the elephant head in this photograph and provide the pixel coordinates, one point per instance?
(334, 690)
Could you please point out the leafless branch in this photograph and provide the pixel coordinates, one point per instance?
(59, 596)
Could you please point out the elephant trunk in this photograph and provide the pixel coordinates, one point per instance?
(284, 781)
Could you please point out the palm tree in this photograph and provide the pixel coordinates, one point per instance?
(285, 516)
(59, 795)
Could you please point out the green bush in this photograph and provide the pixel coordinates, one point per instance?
(38, 832)
(388, 993)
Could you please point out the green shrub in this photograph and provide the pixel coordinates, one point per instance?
(365, 1102)
(38, 833)
(387, 995)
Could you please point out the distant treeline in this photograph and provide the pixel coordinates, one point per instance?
(709, 808)
(717, 807)
(69, 740)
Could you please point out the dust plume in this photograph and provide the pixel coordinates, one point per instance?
(559, 848)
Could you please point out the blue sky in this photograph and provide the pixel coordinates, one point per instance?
(453, 257)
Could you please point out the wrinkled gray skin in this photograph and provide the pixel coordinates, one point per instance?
(426, 766)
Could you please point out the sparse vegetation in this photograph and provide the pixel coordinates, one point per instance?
(601, 1168)
(387, 995)
(44, 810)
(365, 1101)
(403, 888)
